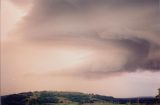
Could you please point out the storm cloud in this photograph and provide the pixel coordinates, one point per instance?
(124, 34)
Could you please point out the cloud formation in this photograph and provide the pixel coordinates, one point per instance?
(124, 34)
(21, 3)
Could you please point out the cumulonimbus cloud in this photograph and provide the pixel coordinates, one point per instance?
(127, 30)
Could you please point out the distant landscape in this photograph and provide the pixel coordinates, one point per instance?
(72, 98)
(80, 52)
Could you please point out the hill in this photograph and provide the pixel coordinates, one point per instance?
(68, 98)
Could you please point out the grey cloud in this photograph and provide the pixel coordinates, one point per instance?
(131, 26)
(153, 64)
(141, 58)
(103, 18)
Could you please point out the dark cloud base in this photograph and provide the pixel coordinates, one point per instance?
(51, 20)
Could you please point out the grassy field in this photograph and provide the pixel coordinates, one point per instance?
(100, 104)
(96, 104)
(87, 104)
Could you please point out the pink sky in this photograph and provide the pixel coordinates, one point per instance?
(60, 54)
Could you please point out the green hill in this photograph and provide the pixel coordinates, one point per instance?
(53, 98)
(68, 98)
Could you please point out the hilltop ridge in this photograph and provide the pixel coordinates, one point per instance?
(67, 98)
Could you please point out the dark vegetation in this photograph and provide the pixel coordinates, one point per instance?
(53, 98)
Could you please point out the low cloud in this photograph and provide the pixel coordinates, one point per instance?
(123, 34)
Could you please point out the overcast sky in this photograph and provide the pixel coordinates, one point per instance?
(107, 47)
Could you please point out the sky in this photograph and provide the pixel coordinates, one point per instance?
(105, 47)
